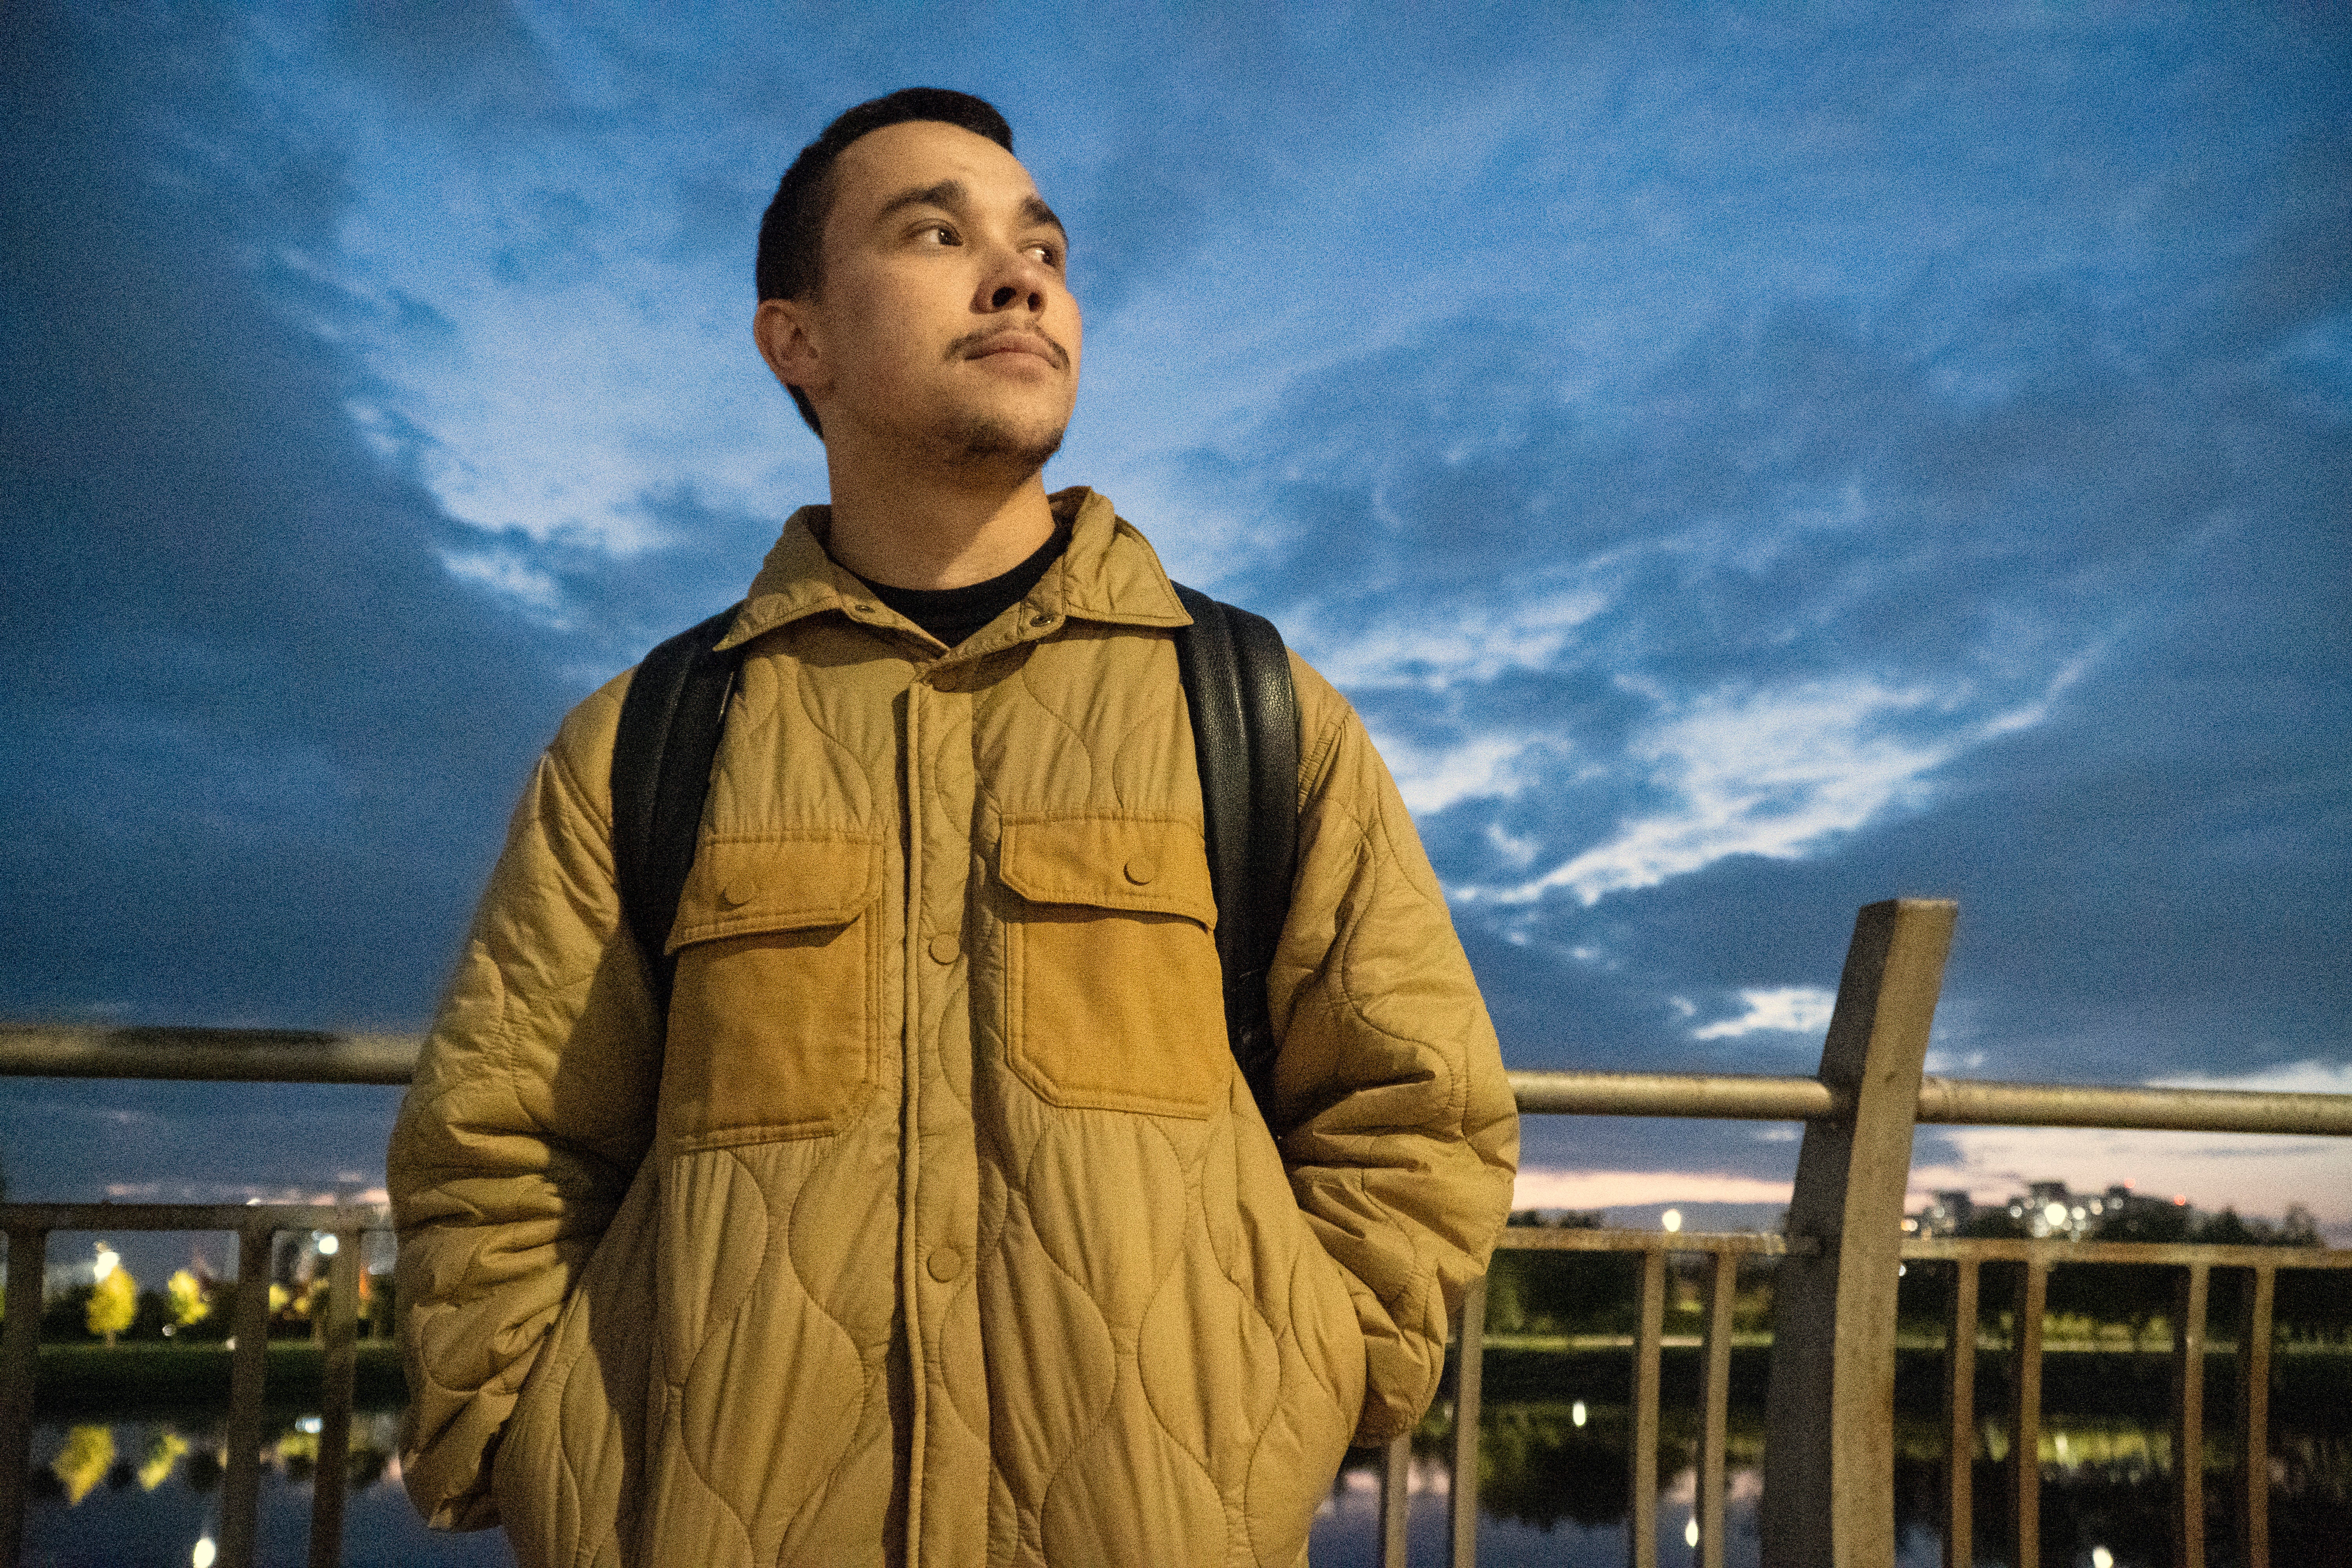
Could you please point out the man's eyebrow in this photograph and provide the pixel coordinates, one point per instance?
(948, 193)
(1034, 210)
(951, 196)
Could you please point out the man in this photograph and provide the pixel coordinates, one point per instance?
(937, 1226)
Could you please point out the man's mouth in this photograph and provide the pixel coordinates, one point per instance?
(1015, 341)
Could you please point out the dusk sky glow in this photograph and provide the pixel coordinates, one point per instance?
(1743, 461)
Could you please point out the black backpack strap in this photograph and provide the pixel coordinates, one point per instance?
(1245, 711)
(670, 720)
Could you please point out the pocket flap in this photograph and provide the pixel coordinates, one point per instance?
(1153, 864)
(781, 882)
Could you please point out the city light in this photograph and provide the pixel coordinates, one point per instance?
(1690, 1532)
(2102, 1558)
(1672, 1219)
(103, 1265)
(327, 1244)
(1576, 1412)
(205, 1552)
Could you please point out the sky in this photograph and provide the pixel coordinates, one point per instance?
(1743, 462)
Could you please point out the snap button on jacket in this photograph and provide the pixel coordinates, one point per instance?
(940, 1230)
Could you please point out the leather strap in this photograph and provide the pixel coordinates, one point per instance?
(668, 737)
(1244, 715)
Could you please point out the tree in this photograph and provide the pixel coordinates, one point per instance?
(113, 1303)
(190, 1306)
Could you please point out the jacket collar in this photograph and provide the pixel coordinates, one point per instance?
(1108, 573)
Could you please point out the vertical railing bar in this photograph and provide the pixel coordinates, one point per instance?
(2025, 1383)
(1641, 1507)
(1715, 1408)
(20, 1370)
(338, 1368)
(2189, 1416)
(249, 1369)
(1960, 1417)
(1396, 1500)
(1462, 1495)
(2255, 1420)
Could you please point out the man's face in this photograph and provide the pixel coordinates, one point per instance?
(945, 323)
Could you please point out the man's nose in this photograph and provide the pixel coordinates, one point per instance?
(1018, 281)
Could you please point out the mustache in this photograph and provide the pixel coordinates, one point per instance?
(970, 343)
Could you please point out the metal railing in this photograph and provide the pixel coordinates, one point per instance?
(256, 1227)
(1828, 1496)
(1829, 1450)
(2196, 1262)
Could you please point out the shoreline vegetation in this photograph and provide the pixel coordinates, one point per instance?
(136, 1379)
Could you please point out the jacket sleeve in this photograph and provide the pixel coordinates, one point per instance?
(531, 1108)
(1394, 1119)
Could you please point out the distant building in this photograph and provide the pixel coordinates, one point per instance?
(2043, 1209)
(1947, 1216)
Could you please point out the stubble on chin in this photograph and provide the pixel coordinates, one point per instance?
(984, 441)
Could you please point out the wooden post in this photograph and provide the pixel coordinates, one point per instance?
(2025, 1424)
(2255, 1420)
(2189, 1416)
(1829, 1450)
(1642, 1467)
(1462, 1496)
(337, 1367)
(1396, 1500)
(1714, 1407)
(247, 1369)
(1960, 1417)
(20, 1366)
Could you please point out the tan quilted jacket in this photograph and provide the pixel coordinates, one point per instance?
(943, 1231)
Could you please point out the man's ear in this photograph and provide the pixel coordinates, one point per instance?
(786, 336)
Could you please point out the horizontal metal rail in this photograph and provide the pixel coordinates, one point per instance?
(27, 1228)
(1976, 1103)
(2174, 1254)
(216, 1055)
(302, 1056)
(1946, 1101)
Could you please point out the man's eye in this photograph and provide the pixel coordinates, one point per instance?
(1047, 253)
(937, 234)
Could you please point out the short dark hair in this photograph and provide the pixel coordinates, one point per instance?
(792, 231)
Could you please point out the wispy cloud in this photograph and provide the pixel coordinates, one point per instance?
(1795, 1009)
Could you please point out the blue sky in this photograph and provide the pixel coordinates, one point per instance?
(1743, 461)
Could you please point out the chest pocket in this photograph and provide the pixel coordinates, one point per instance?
(1112, 994)
(775, 1017)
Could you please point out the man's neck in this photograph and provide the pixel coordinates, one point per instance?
(935, 530)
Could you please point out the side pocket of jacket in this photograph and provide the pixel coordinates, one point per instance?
(774, 1021)
(571, 1463)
